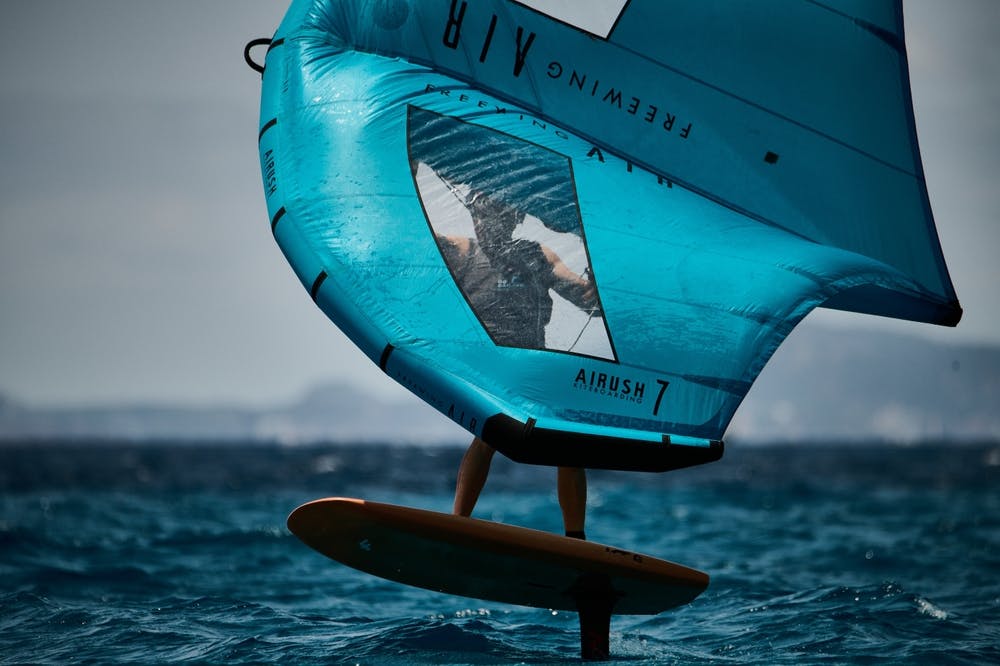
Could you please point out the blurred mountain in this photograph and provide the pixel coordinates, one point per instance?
(841, 385)
(326, 413)
(822, 384)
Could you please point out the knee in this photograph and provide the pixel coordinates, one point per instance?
(481, 448)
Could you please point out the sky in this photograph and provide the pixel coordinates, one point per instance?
(136, 259)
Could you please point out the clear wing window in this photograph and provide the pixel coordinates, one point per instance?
(505, 216)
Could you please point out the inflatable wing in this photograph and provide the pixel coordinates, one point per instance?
(580, 229)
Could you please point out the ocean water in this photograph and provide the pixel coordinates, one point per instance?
(157, 553)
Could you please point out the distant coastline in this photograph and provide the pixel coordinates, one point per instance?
(829, 386)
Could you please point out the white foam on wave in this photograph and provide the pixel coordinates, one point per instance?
(927, 608)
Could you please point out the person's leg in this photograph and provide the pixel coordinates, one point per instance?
(472, 475)
(572, 485)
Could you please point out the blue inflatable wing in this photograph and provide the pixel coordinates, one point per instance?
(581, 229)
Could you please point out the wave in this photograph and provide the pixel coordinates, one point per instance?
(807, 470)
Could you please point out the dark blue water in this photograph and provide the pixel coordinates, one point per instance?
(167, 553)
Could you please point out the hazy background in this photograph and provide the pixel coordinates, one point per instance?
(136, 260)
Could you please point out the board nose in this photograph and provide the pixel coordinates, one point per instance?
(310, 518)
